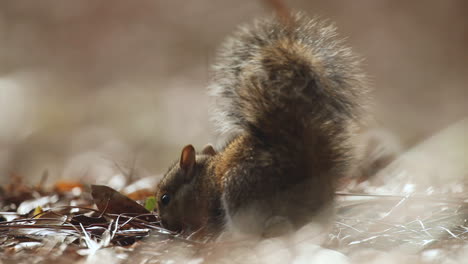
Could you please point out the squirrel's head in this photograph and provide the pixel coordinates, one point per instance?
(178, 193)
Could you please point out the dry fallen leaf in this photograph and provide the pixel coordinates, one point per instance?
(66, 186)
(110, 201)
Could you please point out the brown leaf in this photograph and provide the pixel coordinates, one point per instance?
(66, 186)
(110, 201)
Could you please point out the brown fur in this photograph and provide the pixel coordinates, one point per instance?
(288, 96)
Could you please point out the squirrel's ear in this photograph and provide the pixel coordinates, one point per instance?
(187, 158)
(209, 150)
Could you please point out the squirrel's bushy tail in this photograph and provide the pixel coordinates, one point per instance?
(273, 79)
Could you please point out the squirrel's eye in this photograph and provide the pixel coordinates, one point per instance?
(165, 199)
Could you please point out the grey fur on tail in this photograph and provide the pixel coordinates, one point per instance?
(264, 70)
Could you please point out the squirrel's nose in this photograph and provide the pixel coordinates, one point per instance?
(172, 226)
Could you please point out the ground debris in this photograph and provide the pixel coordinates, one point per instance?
(66, 223)
(75, 223)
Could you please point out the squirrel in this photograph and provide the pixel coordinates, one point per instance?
(289, 94)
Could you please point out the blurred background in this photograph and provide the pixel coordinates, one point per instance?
(91, 88)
